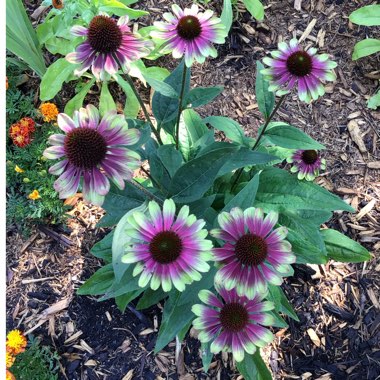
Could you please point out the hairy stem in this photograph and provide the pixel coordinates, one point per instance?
(180, 106)
(142, 105)
(267, 121)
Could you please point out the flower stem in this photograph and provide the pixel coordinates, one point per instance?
(267, 121)
(142, 105)
(180, 109)
(150, 195)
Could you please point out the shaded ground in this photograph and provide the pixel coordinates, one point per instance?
(338, 336)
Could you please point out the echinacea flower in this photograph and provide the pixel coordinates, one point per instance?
(34, 195)
(307, 163)
(94, 150)
(167, 248)
(9, 375)
(291, 66)
(234, 324)
(18, 169)
(254, 253)
(49, 112)
(191, 33)
(106, 39)
(16, 342)
(9, 358)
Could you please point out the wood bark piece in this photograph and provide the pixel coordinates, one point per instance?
(354, 130)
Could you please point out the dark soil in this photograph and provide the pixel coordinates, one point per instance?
(338, 336)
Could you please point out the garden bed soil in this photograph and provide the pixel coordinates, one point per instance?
(338, 336)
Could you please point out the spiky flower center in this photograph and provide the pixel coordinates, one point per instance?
(299, 63)
(251, 249)
(85, 147)
(233, 317)
(104, 35)
(189, 27)
(309, 157)
(165, 247)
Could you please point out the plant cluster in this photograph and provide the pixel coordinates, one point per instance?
(212, 227)
(31, 198)
(367, 16)
(32, 362)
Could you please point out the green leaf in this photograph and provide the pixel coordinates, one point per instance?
(280, 190)
(99, 282)
(199, 207)
(106, 102)
(342, 248)
(164, 108)
(162, 87)
(245, 197)
(245, 157)
(368, 15)
(159, 73)
(150, 298)
(103, 248)
(194, 178)
(120, 238)
(118, 202)
(207, 356)
(123, 300)
(200, 96)
(174, 319)
(227, 15)
(278, 297)
(264, 97)
(374, 101)
(21, 39)
(77, 101)
(230, 127)
(56, 74)
(170, 157)
(255, 8)
(253, 367)
(287, 136)
(305, 238)
(132, 105)
(119, 8)
(158, 171)
(366, 47)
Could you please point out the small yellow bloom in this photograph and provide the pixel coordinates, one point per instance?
(34, 195)
(9, 376)
(18, 169)
(16, 342)
(49, 112)
(9, 358)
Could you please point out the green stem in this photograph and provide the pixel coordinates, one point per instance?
(267, 121)
(150, 195)
(142, 105)
(180, 109)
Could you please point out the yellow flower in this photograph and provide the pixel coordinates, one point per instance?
(34, 195)
(49, 112)
(9, 358)
(18, 169)
(16, 342)
(9, 376)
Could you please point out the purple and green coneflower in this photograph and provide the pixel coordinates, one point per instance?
(105, 40)
(167, 248)
(92, 150)
(190, 33)
(254, 253)
(290, 66)
(307, 163)
(234, 324)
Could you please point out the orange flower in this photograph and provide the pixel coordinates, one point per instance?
(49, 111)
(34, 195)
(9, 376)
(9, 358)
(16, 342)
(18, 169)
(58, 4)
(6, 83)
(21, 141)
